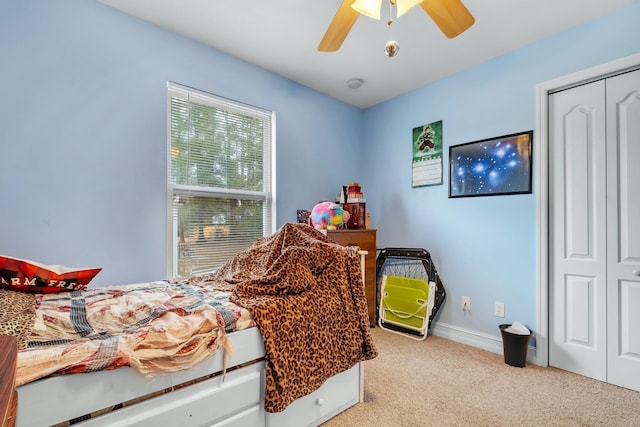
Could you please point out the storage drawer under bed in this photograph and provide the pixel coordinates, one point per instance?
(336, 394)
(236, 401)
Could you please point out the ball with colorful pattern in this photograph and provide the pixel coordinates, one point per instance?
(328, 216)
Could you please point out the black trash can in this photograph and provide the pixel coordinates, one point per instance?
(515, 347)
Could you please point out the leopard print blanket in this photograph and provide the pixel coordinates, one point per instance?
(307, 297)
(17, 314)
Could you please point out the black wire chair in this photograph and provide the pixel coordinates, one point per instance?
(412, 263)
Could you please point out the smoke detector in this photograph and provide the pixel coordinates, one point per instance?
(355, 83)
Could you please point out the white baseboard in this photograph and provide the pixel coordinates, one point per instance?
(492, 343)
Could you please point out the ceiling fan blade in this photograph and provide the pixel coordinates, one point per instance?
(339, 28)
(451, 16)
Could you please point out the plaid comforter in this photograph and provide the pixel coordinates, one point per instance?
(155, 327)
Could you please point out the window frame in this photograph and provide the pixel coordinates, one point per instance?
(269, 189)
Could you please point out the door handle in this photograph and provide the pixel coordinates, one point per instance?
(636, 272)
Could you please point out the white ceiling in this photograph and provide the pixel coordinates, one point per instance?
(282, 36)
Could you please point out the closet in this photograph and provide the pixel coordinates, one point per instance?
(594, 229)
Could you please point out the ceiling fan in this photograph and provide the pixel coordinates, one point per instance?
(451, 16)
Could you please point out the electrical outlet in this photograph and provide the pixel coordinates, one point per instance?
(466, 304)
(499, 309)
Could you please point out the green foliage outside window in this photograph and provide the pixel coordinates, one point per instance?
(219, 178)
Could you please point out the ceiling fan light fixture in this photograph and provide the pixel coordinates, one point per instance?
(370, 8)
(451, 16)
(404, 6)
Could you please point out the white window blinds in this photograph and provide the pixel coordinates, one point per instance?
(219, 179)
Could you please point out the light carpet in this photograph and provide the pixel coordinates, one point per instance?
(438, 382)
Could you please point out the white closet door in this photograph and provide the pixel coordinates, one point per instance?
(623, 250)
(577, 218)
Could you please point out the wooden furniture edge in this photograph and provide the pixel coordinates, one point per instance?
(8, 393)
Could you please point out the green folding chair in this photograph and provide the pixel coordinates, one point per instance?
(405, 306)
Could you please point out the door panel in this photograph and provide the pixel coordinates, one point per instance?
(578, 149)
(629, 318)
(623, 248)
(577, 210)
(579, 316)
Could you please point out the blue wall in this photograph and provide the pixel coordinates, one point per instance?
(83, 134)
(83, 147)
(484, 247)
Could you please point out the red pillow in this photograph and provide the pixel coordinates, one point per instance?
(28, 276)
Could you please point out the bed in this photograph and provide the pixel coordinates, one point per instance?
(275, 337)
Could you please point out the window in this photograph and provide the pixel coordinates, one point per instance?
(220, 189)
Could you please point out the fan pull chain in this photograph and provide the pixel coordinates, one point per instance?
(391, 48)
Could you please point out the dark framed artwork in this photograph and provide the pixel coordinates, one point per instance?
(491, 167)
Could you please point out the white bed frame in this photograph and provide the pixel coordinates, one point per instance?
(233, 399)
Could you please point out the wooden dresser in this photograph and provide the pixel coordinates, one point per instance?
(8, 393)
(365, 240)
